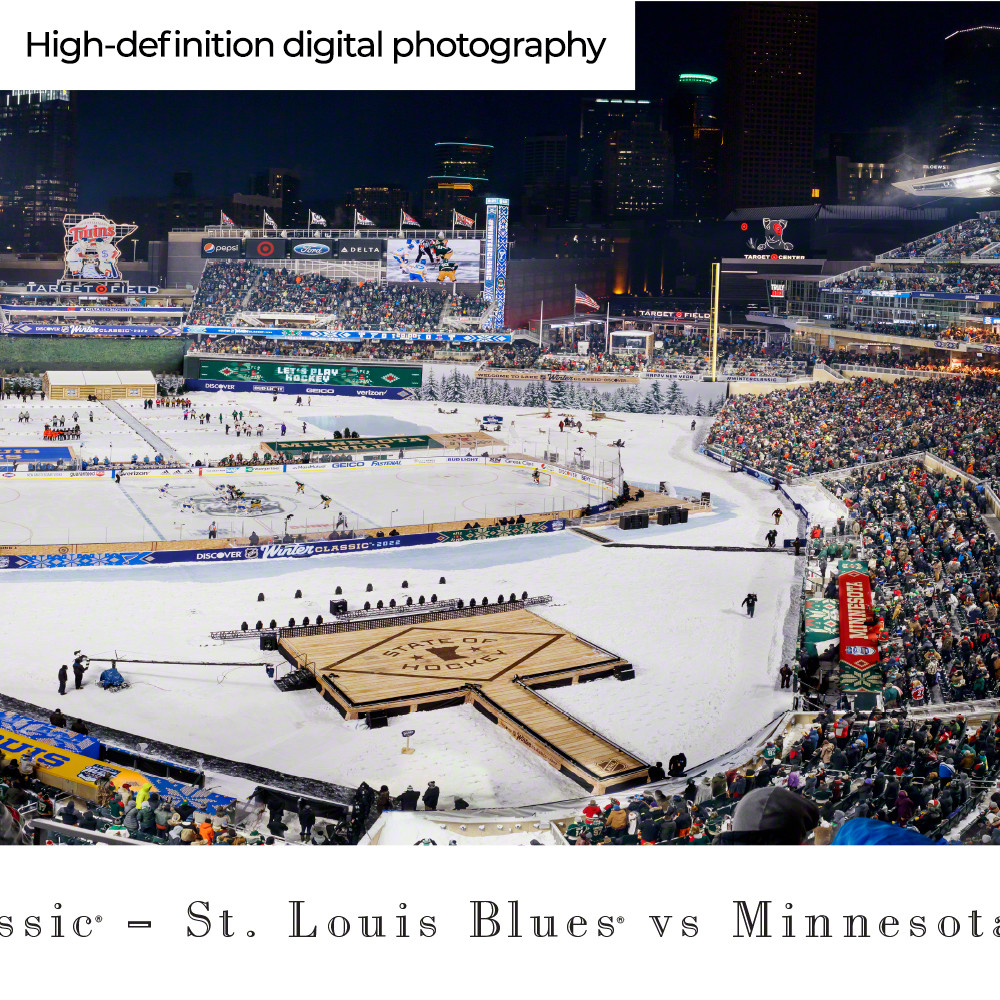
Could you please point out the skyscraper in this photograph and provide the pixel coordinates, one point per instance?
(459, 182)
(37, 167)
(600, 117)
(697, 133)
(770, 105)
(970, 122)
(638, 174)
(545, 178)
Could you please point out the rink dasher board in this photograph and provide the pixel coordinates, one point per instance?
(277, 550)
(257, 470)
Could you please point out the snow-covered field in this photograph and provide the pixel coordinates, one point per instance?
(706, 676)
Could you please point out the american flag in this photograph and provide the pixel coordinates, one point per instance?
(315, 219)
(583, 299)
(407, 220)
(463, 220)
(226, 221)
(362, 220)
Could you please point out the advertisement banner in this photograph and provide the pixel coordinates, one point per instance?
(292, 389)
(222, 246)
(310, 249)
(436, 259)
(283, 333)
(277, 550)
(546, 376)
(63, 739)
(391, 443)
(97, 310)
(359, 249)
(264, 249)
(80, 330)
(859, 657)
(44, 453)
(318, 373)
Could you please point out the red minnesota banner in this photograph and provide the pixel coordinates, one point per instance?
(859, 671)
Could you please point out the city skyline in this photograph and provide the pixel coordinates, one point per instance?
(306, 131)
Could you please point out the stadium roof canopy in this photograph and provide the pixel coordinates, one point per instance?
(972, 182)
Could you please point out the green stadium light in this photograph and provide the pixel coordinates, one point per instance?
(698, 78)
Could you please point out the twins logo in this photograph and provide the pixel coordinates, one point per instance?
(91, 247)
(774, 237)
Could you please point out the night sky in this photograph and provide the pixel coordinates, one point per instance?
(877, 65)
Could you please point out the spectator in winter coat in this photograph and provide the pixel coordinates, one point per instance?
(69, 815)
(905, 807)
(431, 796)
(409, 799)
(719, 787)
(307, 817)
(147, 819)
(617, 819)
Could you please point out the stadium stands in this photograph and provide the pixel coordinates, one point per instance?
(834, 425)
(232, 287)
(974, 236)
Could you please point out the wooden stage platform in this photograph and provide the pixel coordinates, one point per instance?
(495, 658)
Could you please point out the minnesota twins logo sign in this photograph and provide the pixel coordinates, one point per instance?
(91, 247)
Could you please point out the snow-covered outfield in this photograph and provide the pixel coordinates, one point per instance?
(706, 676)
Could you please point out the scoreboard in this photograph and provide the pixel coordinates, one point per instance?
(316, 373)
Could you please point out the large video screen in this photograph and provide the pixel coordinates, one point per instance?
(435, 259)
(391, 376)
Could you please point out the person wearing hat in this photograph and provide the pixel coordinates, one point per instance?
(771, 816)
(409, 799)
(430, 796)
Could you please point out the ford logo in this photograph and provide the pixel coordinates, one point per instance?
(311, 249)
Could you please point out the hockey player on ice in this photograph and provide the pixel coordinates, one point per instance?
(535, 477)
(325, 500)
(300, 487)
(341, 520)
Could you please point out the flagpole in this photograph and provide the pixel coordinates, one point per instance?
(541, 321)
(607, 328)
(400, 223)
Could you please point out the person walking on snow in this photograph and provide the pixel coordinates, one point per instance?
(63, 677)
(776, 514)
(750, 601)
(771, 537)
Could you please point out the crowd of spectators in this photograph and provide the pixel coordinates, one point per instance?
(877, 777)
(373, 350)
(338, 303)
(221, 292)
(966, 280)
(933, 566)
(833, 425)
(964, 239)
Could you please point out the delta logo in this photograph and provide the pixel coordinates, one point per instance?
(311, 249)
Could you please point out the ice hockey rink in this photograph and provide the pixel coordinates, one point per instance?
(151, 508)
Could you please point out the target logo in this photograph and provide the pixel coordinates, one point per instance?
(265, 249)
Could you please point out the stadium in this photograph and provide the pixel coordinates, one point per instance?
(339, 557)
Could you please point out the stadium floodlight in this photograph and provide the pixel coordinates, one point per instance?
(972, 182)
